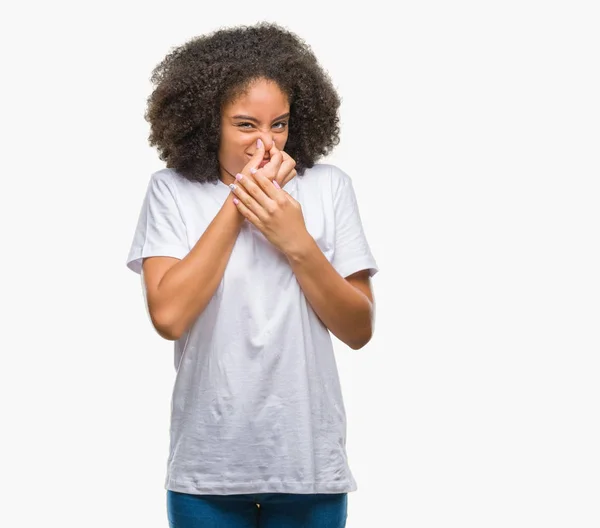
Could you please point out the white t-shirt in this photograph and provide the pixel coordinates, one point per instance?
(256, 404)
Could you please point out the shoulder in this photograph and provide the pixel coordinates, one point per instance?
(166, 178)
(169, 184)
(326, 174)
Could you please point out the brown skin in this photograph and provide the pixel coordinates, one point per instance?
(345, 306)
(269, 109)
(178, 290)
(195, 80)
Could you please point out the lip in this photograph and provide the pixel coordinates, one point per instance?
(263, 163)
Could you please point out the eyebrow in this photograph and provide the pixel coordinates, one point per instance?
(250, 118)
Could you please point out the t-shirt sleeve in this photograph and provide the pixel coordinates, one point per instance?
(160, 229)
(351, 249)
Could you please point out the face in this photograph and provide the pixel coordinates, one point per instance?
(262, 112)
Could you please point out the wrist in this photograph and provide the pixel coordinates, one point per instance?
(299, 250)
(232, 211)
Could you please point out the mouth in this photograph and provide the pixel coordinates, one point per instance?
(263, 163)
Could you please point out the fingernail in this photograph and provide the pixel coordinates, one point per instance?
(253, 170)
(259, 143)
(276, 184)
(239, 176)
(236, 201)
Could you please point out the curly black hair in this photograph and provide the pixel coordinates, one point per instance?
(195, 80)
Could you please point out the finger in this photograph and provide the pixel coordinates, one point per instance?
(271, 169)
(269, 187)
(288, 166)
(287, 157)
(252, 196)
(256, 158)
(247, 213)
(287, 169)
(290, 176)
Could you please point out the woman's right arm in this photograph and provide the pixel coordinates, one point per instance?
(179, 290)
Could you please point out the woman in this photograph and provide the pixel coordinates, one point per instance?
(251, 254)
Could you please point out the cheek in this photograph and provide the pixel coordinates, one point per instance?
(233, 153)
(235, 143)
(229, 147)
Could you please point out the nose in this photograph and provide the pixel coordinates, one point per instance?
(268, 141)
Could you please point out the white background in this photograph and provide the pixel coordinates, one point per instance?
(471, 132)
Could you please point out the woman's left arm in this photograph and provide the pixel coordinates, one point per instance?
(344, 305)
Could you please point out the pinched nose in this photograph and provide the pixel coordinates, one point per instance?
(268, 143)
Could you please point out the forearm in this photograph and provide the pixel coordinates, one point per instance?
(187, 287)
(345, 311)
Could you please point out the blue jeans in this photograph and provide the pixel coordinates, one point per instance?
(277, 510)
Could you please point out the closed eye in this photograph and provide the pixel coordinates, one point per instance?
(246, 125)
